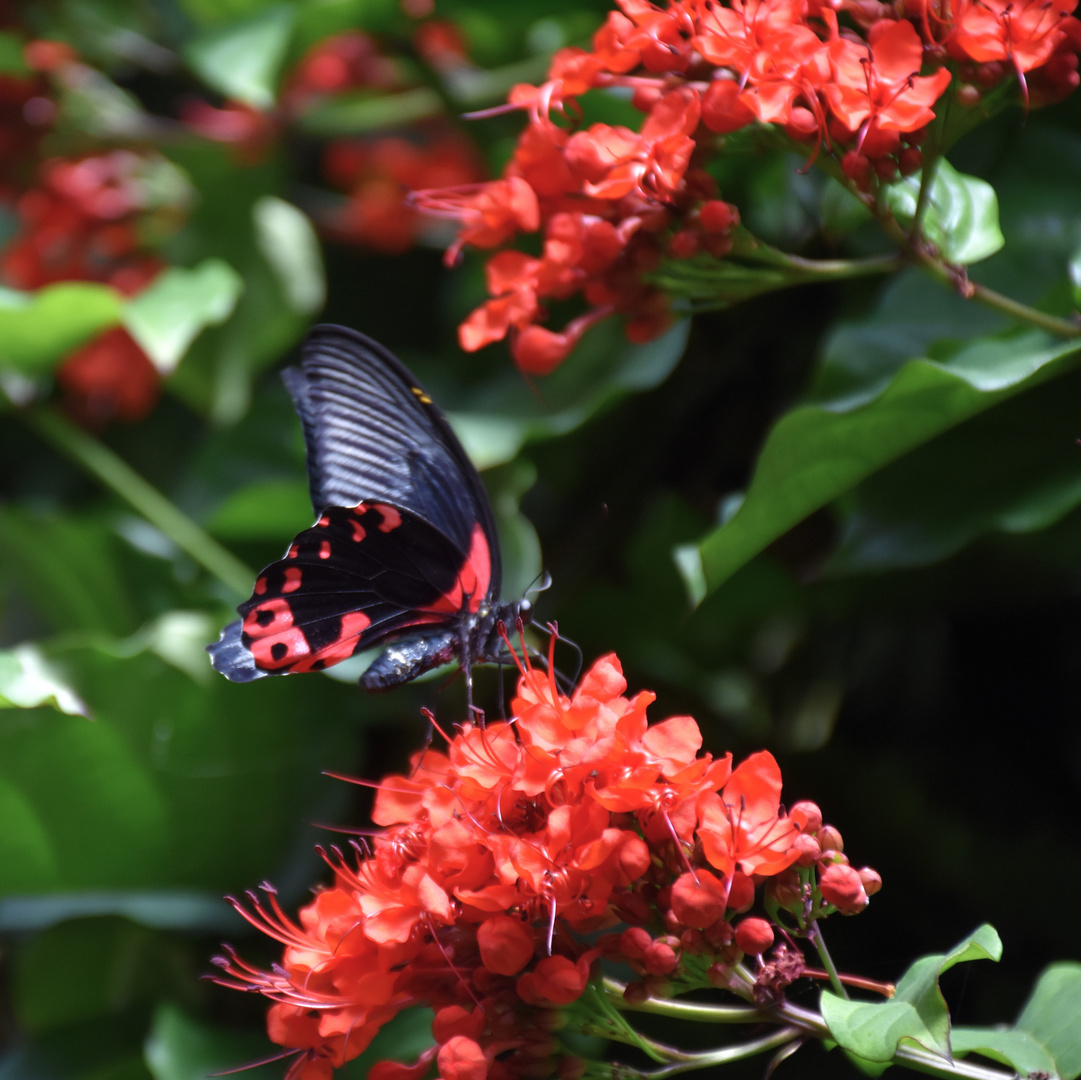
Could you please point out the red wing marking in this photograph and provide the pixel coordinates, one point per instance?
(473, 580)
(359, 532)
(294, 551)
(324, 550)
(260, 586)
(391, 518)
(292, 579)
(323, 521)
(354, 623)
(273, 639)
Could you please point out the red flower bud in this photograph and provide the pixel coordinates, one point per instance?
(462, 1059)
(506, 944)
(807, 816)
(968, 96)
(698, 899)
(841, 886)
(872, 880)
(717, 216)
(754, 936)
(829, 839)
(809, 848)
(660, 959)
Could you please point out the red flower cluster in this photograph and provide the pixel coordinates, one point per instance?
(857, 79)
(498, 861)
(378, 174)
(82, 222)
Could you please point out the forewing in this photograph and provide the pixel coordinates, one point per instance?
(359, 577)
(373, 434)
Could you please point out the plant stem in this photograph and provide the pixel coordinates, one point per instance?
(722, 1056)
(683, 1010)
(97, 459)
(819, 942)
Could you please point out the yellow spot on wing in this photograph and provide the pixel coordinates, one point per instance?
(422, 397)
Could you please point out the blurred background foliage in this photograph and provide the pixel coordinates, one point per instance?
(891, 602)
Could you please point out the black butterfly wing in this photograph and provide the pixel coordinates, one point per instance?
(374, 434)
(405, 541)
(357, 578)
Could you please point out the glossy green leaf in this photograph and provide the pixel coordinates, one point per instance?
(817, 452)
(165, 318)
(917, 1012)
(242, 60)
(961, 217)
(1013, 469)
(38, 329)
(27, 680)
(1051, 1015)
(289, 244)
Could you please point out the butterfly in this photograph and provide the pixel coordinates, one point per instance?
(404, 547)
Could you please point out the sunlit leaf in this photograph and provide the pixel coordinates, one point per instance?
(961, 216)
(288, 242)
(817, 452)
(242, 59)
(27, 680)
(917, 1013)
(165, 318)
(38, 329)
(1051, 1014)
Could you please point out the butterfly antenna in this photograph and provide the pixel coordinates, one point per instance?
(543, 581)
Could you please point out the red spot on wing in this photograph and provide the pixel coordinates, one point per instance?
(271, 636)
(473, 581)
(292, 579)
(260, 586)
(323, 522)
(359, 532)
(354, 623)
(391, 518)
(294, 551)
(324, 550)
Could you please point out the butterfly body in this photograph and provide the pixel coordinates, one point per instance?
(403, 548)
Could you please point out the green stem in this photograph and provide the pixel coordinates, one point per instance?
(683, 1010)
(722, 1056)
(815, 937)
(956, 278)
(98, 460)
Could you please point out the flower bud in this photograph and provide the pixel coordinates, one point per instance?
(829, 839)
(717, 216)
(698, 899)
(872, 880)
(635, 942)
(841, 886)
(786, 890)
(570, 1067)
(460, 1058)
(683, 244)
(806, 816)
(910, 160)
(660, 959)
(635, 993)
(968, 96)
(809, 850)
(857, 168)
(754, 936)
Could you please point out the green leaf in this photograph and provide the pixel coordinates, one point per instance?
(917, 1013)
(242, 60)
(11, 56)
(27, 680)
(1011, 1047)
(1051, 1015)
(961, 217)
(38, 329)
(288, 242)
(816, 452)
(1012, 469)
(179, 1047)
(166, 318)
(264, 510)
